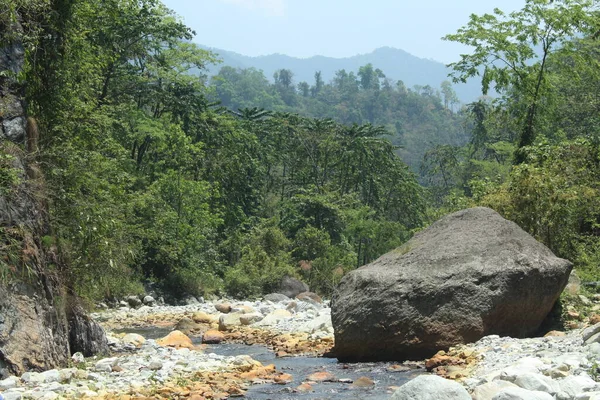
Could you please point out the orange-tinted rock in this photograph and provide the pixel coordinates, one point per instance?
(436, 361)
(363, 382)
(223, 307)
(203, 318)
(282, 378)
(323, 376)
(213, 337)
(304, 388)
(176, 339)
(310, 295)
(573, 314)
(555, 333)
(594, 319)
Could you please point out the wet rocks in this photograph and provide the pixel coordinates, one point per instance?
(213, 337)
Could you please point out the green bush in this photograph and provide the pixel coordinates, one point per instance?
(265, 261)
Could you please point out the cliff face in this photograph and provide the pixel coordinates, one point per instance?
(40, 324)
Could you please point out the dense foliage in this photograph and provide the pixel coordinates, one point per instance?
(534, 153)
(154, 172)
(417, 118)
(148, 180)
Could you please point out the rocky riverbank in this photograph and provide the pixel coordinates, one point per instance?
(560, 366)
(173, 360)
(178, 367)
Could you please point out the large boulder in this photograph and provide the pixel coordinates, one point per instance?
(291, 287)
(470, 274)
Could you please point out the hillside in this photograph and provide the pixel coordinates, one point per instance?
(397, 64)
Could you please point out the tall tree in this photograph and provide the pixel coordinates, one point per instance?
(511, 51)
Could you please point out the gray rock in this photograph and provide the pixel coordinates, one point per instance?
(149, 301)
(33, 335)
(468, 275)
(155, 365)
(589, 332)
(291, 287)
(85, 334)
(521, 394)
(133, 301)
(251, 318)
(191, 301)
(228, 321)
(431, 387)
(276, 297)
(14, 129)
(33, 378)
(51, 376)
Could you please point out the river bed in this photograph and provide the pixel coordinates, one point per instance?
(385, 376)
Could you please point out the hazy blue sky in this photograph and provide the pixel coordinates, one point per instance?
(336, 28)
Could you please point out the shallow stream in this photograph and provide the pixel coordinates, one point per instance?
(300, 368)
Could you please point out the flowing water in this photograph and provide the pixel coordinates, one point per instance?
(300, 368)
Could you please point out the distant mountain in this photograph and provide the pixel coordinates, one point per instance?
(395, 63)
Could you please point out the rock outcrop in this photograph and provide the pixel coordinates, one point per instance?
(470, 274)
(37, 320)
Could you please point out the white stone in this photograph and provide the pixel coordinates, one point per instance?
(133, 339)
(488, 390)
(531, 381)
(575, 384)
(12, 396)
(431, 387)
(588, 396)
(50, 376)
(32, 378)
(77, 358)
(321, 323)
(522, 394)
(49, 396)
(106, 364)
(9, 383)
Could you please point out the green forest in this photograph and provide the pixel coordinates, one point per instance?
(151, 171)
